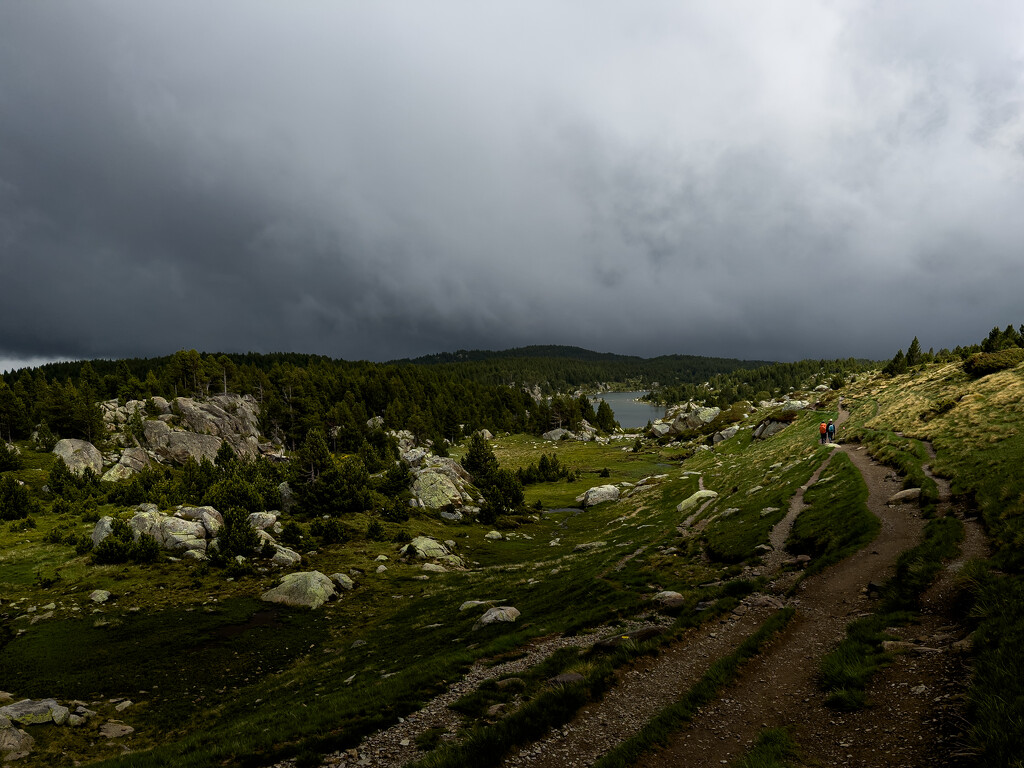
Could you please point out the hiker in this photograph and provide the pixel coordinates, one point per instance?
(823, 428)
(831, 431)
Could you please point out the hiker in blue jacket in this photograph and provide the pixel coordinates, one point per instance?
(831, 431)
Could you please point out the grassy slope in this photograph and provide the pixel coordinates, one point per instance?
(975, 428)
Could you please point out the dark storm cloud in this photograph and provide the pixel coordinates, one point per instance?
(392, 179)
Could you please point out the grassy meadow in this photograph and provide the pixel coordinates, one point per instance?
(216, 676)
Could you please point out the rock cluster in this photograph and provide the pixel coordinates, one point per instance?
(426, 548)
(16, 743)
(174, 431)
(681, 419)
(191, 531)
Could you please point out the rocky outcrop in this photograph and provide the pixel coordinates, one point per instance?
(79, 455)
(176, 446)
(440, 482)
(187, 427)
(131, 462)
(681, 419)
(305, 589)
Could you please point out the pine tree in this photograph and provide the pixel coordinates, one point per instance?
(913, 353)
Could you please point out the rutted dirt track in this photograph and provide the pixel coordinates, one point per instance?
(916, 703)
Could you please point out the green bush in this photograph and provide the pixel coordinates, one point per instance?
(330, 531)
(16, 502)
(985, 363)
(121, 546)
(10, 459)
(236, 536)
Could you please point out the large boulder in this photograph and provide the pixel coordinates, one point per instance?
(555, 435)
(305, 589)
(598, 495)
(103, 528)
(695, 418)
(659, 429)
(725, 434)
(497, 615)
(79, 455)
(434, 489)
(769, 427)
(692, 502)
(425, 548)
(179, 535)
(31, 712)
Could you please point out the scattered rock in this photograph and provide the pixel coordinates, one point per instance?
(304, 589)
(343, 581)
(903, 497)
(497, 614)
(99, 596)
(113, 729)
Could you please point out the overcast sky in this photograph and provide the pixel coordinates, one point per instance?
(374, 180)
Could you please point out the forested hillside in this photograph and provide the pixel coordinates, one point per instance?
(442, 397)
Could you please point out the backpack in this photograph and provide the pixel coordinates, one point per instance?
(823, 428)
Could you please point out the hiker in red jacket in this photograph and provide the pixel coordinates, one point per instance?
(823, 428)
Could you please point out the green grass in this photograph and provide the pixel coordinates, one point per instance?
(774, 748)
(836, 522)
(846, 671)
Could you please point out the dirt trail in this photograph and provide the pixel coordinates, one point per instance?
(778, 687)
(916, 701)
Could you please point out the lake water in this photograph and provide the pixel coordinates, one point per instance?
(628, 412)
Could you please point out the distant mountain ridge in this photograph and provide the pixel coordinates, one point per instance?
(564, 352)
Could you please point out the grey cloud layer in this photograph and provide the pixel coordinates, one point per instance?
(390, 179)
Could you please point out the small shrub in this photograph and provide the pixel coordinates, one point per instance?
(291, 534)
(19, 526)
(329, 531)
(375, 530)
